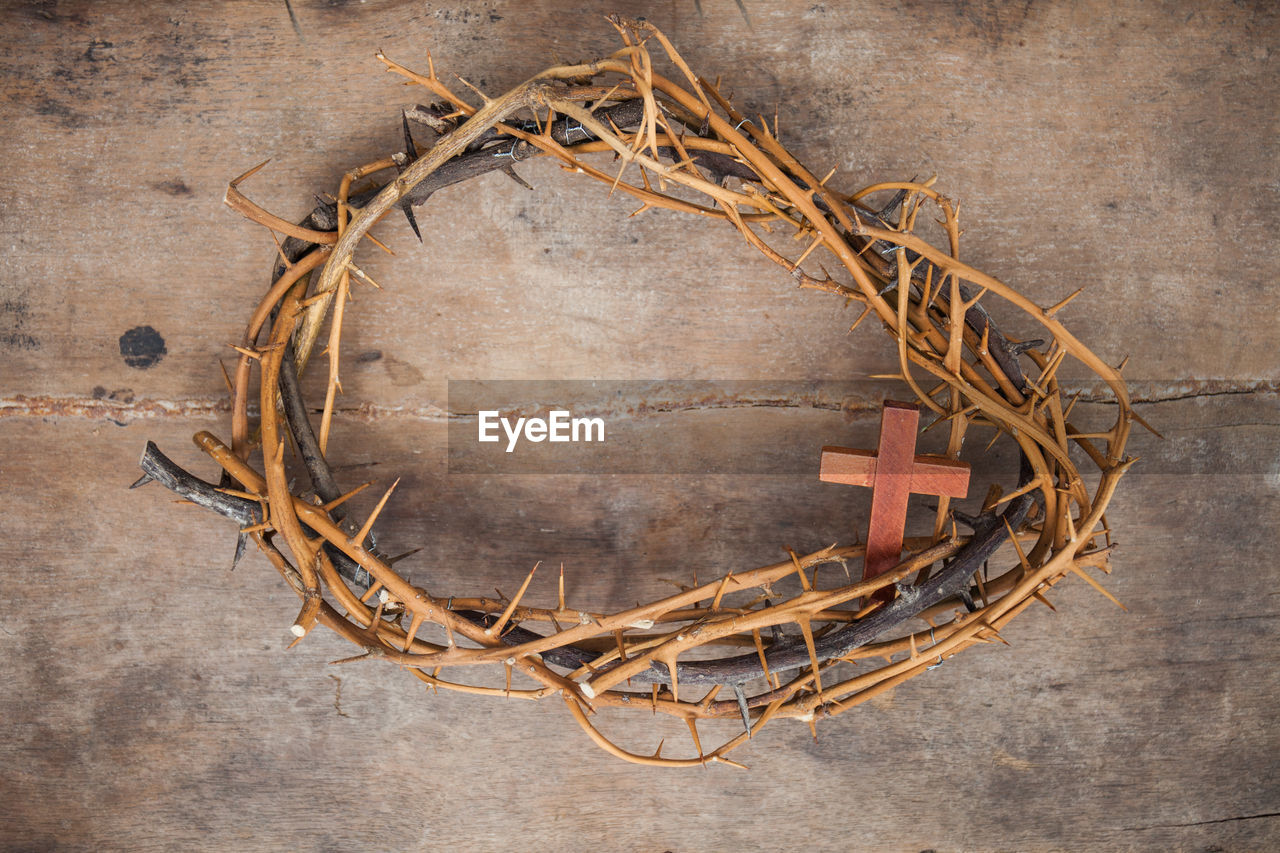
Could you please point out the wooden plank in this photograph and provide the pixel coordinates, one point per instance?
(162, 707)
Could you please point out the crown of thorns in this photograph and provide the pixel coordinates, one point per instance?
(693, 153)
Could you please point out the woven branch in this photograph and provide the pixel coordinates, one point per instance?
(678, 131)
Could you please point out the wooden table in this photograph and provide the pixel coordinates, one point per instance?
(149, 703)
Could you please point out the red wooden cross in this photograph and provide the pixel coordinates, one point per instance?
(895, 472)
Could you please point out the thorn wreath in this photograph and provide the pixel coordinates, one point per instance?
(677, 138)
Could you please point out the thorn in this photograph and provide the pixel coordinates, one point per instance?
(1099, 587)
(815, 244)
(369, 593)
(892, 205)
(1072, 535)
(724, 582)
(1046, 602)
(1146, 425)
(410, 148)
(226, 377)
(1123, 363)
(618, 178)
(288, 264)
(410, 155)
(495, 629)
(1029, 487)
(993, 440)
(1017, 546)
(391, 561)
(743, 709)
(510, 172)
(1049, 312)
(362, 274)
(254, 354)
(249, 174)
(804, 579)
(1050, 369)
(407, 209)
(1075, 398)
(807, 630)
(241, 539)
(142, 481)
(343, 498)
(988, 632)
(414, 624)
(675, 684)
(364, 531)
(487, 100)
(381, 245)
(257, 528)
(861, 317)
(351, 659)
(764, 664)
(697, 741)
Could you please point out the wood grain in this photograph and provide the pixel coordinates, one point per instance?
(149, 702)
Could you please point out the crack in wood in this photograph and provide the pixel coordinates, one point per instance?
(1262, 816)
(95, 408)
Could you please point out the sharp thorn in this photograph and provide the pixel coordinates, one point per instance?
(510, 172)
(407, 209)
(1049, 312)
(743, 709)
(891, 205)
(241, 539)
(391, 561)
(142, 481)
(410, 149)
(410, 154)
(495, 630)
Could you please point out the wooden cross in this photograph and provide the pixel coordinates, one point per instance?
(895, 472)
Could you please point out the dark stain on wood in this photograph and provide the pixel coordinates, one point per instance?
(174, 186)
(142, 347)
(14, 316)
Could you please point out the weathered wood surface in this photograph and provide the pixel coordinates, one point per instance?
(148, 701)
